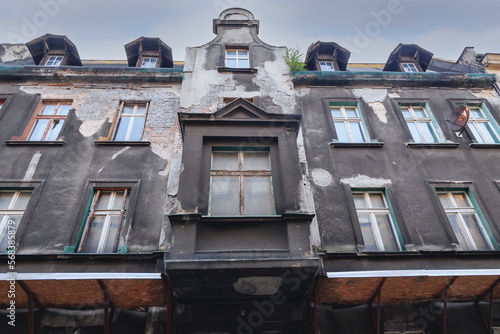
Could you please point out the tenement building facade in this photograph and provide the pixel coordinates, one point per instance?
(225, 194)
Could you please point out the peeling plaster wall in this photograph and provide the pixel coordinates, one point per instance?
(15, 54)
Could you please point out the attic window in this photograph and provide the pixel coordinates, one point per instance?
(149, 62)
(326, 66)
(237, 58)
(409, 67)
(54, 60)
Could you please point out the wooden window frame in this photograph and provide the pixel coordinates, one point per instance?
(116, 119)
(37, 116)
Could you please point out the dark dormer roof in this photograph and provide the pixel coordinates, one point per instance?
(327, 50)
(54, 44)
(149, 47)
(408, 53)
(235, 17)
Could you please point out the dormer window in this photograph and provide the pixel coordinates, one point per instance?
(409, 67)
(54, 60)
(149, 62)
(237, 58)
(326, 66)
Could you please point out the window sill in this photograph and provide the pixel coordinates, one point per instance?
(357, 145)
(34, 143)
(479, 145)
(121, 143)
(432, 145)
(236, 70)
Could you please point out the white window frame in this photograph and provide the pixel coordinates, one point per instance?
(458, 212)
(241, 173)
(347, 120)
(54, 60)
(326, 66)
(4, 222)
(371, 211)
(146, 62)
(474, 121)
(418, 120)
(409, 67)
(238, 57)
(121, 213)
(133, 117)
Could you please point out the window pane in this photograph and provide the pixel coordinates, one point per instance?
(141, 110)
(475, 112)
(487, 132)
(38, 129)
(461, 200)
(117, 203)
(63, 109)
(341, 132)
(128, 109)
(242, 54)
(336, 112)
(54, 130)
(386, 232)
(359, 201)
(111, 234)
(377, 200)
(243, 63)
(225, 161)
(458, 232)
(121, 132)
(5, 199)
(351, 112)
(428, 132)
(94, 234)
(476, 133)
(326, 66)
(366, 230)
(4, 241)
(419, 112)
(472, 224)
(405, 111)
(357, 134)
(224, 196)
(103, 200)
(258, 196)
(231, 63)
(137, 126)
(256, 161)
(414, 132)
(445, 200)
(22, 200)
(231, 54)
(48, 109)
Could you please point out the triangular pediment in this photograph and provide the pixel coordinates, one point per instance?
(240, 109)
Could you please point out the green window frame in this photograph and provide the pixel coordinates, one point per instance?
(481, 123)
(421, 123)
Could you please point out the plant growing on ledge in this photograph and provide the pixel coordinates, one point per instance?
(293, 59)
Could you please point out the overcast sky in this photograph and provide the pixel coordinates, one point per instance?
(370, 29)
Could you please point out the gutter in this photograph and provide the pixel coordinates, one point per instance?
(413, 273)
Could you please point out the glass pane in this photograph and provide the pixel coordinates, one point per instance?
(225, 161)
(367, 232)
(5, 199)
(357, 133)
(128, 109)
(377, 200)
(231, 63)
(461, 200)
(243, 63)
(231, 54)
(414, 132)
(256, 161)
(326, 66)
(22, 200)
(112, 231)
(63, 109)
(386, 232)
(351, 112)
(359, 201)
(54, 130)
(487, 132)
(458, 232)
(117, 203)
(476, 133)
(445, 200)
(4, 241)
(336, 112)
(103, 200)
(472, 223)
(243, 54)
(224, 196)
(94, 234)
(475, 112)
(428, 132)
(38, 130)
(341, 132)
(48, 109)
(258, 196)
(405, 111)
(121, 132)
(419, 112)
(137, 126)
(141, 109)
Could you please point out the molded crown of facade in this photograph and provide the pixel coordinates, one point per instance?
(235, 17)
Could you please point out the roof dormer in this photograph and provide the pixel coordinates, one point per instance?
(149, 53)
(54, 50)
(408, 58)
(326, 56)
